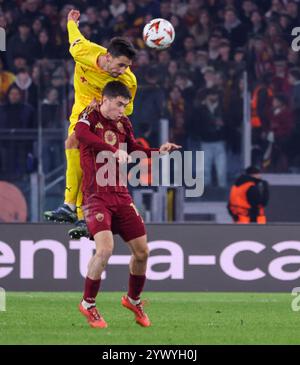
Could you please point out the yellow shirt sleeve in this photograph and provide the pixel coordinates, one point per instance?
(82, 50)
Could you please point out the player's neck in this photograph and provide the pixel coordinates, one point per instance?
(104, 114)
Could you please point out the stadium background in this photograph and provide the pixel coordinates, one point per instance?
(231, 47)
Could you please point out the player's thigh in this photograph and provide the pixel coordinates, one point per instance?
(97, 216)
(128, 221)
(104, 243)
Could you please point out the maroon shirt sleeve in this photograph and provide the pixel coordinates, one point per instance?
(133, 145)
(84, 134)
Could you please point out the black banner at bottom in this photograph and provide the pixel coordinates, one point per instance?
(142, 353)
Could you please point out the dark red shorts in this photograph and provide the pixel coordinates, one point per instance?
(113, 211)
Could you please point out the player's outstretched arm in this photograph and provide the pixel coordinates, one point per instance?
(72, 25)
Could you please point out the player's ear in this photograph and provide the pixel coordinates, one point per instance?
(108, 57)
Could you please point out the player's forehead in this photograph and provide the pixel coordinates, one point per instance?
(122, 60)
(121, 100)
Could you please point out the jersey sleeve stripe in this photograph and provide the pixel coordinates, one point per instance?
(84, 121)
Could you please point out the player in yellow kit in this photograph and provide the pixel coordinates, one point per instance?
(95, 66)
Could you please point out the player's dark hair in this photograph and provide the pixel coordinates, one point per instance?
(113, 89)
(252, 170)
(119, 46)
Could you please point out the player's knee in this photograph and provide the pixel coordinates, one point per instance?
(142, 255)
(103, 255)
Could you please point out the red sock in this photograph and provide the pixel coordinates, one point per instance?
(136, 285)
(91, 289)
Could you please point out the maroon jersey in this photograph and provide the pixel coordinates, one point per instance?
(97, 134)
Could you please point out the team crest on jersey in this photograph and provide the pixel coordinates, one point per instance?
(99, 217)
(98, 126)
(120, 127)
(110, 137)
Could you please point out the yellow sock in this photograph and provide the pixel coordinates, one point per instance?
(73, 175)
(80, 214)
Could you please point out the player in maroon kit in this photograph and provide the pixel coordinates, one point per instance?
(109, 209)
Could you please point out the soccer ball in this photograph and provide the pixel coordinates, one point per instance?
(158, 33)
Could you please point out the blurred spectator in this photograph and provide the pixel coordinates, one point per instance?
(19, 63)
(117, 7)
(257, 26)
(261, 109)
(178, 7)
(150, 99)
(248, 7)
(141, 64)
(37, 26)
(51, 110)
(209, 124)
(29, 90)
(202, 29)
(176, 111)
(223, 61)
(192, 13)
(51, 114)
(213, 47)
(260, 57)
(30, 10)
(21, 44)
(294, 80)
(15, 113)
(292, 9)
(280, 79)
(6, 79)
(234, 29)
(44, 48)
(281, 124)
(165, 9)
(234, 121)
(293, 58)
(276, 9)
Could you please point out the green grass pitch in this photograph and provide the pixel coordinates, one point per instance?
(177, 319)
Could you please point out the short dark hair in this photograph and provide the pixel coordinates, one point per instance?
(119, 46)
(113, 89)
(252, 170)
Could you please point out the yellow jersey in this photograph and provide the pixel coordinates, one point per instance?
(89, 78)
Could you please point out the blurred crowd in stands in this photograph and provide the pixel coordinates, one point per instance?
(197, 83)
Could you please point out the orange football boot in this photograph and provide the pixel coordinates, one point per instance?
(93, 317)
(140, 316)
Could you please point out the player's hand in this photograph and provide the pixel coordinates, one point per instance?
(74, 15)
(122, 157)
(168, 147)
(95, 104)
